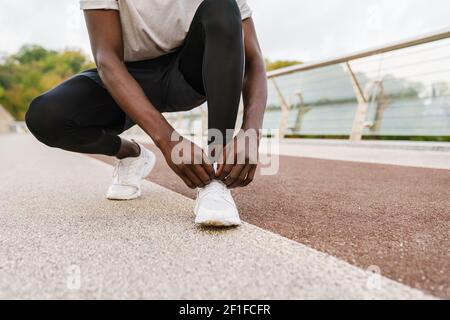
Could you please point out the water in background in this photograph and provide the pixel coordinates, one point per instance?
(408, 89)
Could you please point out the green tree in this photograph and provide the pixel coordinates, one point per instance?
(34, 70)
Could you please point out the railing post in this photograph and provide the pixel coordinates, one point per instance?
(381, 106)
(284, 110)
(361, 111)
(302, 110)
(191, 119)
(204, 120)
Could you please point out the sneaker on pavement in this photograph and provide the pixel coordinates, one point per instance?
(215, 206)
(128, 176)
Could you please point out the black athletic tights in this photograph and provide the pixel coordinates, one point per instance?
(80, 115)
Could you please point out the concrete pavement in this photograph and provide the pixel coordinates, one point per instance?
(394, 217)
(60, 238)
(438, 158)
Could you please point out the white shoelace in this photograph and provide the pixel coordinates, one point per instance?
(215, 191)
(117, 169)
(122, 172)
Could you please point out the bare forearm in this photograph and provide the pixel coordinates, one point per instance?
(133, 101)
(254, 94)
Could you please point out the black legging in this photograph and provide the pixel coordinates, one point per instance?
(80, 115)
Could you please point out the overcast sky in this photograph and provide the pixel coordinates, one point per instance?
(288, 29)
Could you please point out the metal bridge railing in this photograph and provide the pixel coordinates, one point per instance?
(400, 89)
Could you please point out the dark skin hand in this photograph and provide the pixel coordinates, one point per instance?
(195, 169)
(232, 173)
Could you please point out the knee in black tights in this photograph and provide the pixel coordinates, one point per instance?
(221, 17)
(79, 116)
(46, 120)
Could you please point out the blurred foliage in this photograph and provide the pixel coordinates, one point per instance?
(278, 64)
(34, 70)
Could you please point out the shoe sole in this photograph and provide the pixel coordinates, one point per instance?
(121, 198)
(217, 224)
(215, 219)
(139, 192)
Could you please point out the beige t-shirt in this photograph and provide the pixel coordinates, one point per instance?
(152, 28)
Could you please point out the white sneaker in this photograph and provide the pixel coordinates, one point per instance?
(128, 176)
(215, 206)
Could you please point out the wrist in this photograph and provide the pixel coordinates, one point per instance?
(163, 139)
(160, 142)
(252, 120)
(249, 125)
(252, 126)
(252, 130)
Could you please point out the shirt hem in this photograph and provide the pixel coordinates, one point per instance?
(99, 4)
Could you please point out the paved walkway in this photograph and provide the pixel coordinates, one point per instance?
(399, 155)
(55, 225)
(395, 217)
